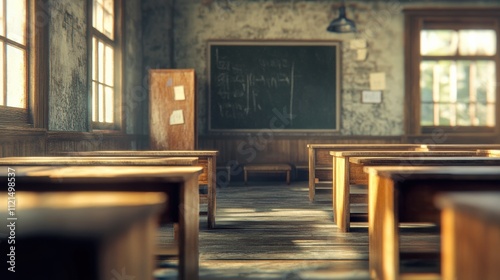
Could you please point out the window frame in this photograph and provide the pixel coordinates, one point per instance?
(118, 46)
(35, 114)
(444, 18)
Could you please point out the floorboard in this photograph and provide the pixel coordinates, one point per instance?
(271, 231)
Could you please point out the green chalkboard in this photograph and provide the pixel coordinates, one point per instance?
(283, 86)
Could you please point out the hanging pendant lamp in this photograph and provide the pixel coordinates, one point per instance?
(342, 24)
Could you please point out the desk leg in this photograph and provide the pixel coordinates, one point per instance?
(382, 229)
(212, 197)
(189, 217)
(312, 174)
(342, 195)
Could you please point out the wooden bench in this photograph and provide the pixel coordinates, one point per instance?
(206, 159)
(110, 231)
(179, 183)
(470, 227)
(267, 168)
(320, 161)
(402, 194)
(347, 173)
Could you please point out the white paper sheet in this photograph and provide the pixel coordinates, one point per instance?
(177, 117)
(377, 81)
(179, 93)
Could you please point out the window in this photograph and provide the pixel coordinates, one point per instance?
(452, 70)
(13, 56)
(105, 64)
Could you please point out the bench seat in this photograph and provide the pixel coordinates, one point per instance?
(267, 168)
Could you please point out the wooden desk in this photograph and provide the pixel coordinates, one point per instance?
(347, 173)
(320, 168)
(457, 147)
(470, 230)
(406, 194)
(489, 153)
(80, 235)
(206, 159)
(179, 183)
(89, 161)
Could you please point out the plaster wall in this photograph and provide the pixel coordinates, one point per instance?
(380, 23)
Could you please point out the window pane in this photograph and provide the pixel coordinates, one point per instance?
(100, 106)
(97, 16)
(481, 114)
(463, 114)
(16, 20)
(463, 81)
(94, 58)
(2, 19)
(438, 42)
(426, 80)
(445, 114)
(490, 115)
(109, 66)
(427, 114)
(485, 114)
(477, 42)
(109, 105)
(100, 62)
(485, 81)
(108, 18)
(2, 92)
(94, 101)
(442, 80)
(16, 77)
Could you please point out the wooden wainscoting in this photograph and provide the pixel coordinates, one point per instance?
(39, 142)
(267, 148)
(22, 142)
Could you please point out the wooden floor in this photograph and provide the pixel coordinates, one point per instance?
(272, 231)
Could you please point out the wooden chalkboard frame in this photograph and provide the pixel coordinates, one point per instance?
(332, 113)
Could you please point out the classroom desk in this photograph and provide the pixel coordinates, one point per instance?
(206, 159)
(399, 194)
(470, 230)
(347, 173)
(96, 161)
(113, 231)
(319, 159)
(180, 183)
(489, 153)
(457, 147)
(89, 161)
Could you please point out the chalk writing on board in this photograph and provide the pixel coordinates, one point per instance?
(248, 82)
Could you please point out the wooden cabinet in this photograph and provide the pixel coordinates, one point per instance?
(172, 109)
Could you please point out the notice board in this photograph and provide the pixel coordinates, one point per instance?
(172, 109)
(286, 86)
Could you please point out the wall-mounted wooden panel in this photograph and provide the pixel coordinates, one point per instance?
(172, 109)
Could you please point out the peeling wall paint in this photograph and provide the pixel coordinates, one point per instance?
(68, 66)
(157, 29)
(157, 33)
(68, 97)
(379, 22)
(135, 92)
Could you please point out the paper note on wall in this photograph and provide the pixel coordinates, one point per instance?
(177, 117)
(377, 81)
(361, 54)
(179, 93)
(358, 44)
